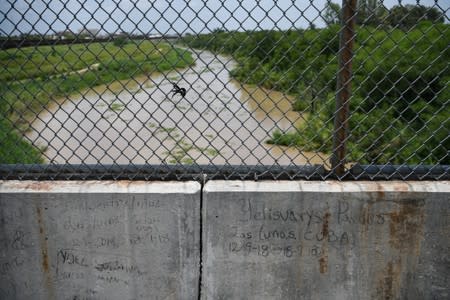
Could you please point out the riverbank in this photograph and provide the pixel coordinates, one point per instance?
(35, 77)
(398, 113)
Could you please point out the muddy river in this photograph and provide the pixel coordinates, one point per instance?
(139, 121)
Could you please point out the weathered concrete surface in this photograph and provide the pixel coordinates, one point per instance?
(326, 240)
(99, 240)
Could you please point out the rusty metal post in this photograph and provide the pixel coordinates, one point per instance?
(343, 86)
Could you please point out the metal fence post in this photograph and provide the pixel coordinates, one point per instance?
(343, 87)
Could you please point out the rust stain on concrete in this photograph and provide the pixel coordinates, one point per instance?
(380, 191)
(44, 186)
(323, 260)
(44, 253)
(406, 225)
(323, 264)
(125, 183)
(42, 238)
(364, 228)
(389, 284)
(326, 224)
(406, 230)
(401, 187)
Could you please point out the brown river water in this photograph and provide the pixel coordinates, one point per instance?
(139, 121)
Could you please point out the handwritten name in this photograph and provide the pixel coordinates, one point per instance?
(71, 258)
(342, 213)
(119, 266)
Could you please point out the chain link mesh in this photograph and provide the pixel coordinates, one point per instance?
(224, 89)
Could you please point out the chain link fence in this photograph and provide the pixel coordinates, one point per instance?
(224, 89)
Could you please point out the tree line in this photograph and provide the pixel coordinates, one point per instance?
(374, 13)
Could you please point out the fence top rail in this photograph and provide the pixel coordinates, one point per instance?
(204, 173)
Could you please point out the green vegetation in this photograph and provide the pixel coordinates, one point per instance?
(399, 106)
(14, 149)
(34, 77)
(117, 106)
(112, 105)
(121, 41)
(183, 151)
(374, 13)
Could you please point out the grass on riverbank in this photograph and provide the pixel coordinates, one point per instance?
(13, 149)
(34, 77)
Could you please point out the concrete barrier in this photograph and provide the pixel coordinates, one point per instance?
(326, 240)
(260, 240)
(99, 240)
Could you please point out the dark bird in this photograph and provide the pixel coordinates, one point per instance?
(177, 90)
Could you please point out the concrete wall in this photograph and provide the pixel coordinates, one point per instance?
(326, 240)
(99, 240)
(260, 240)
